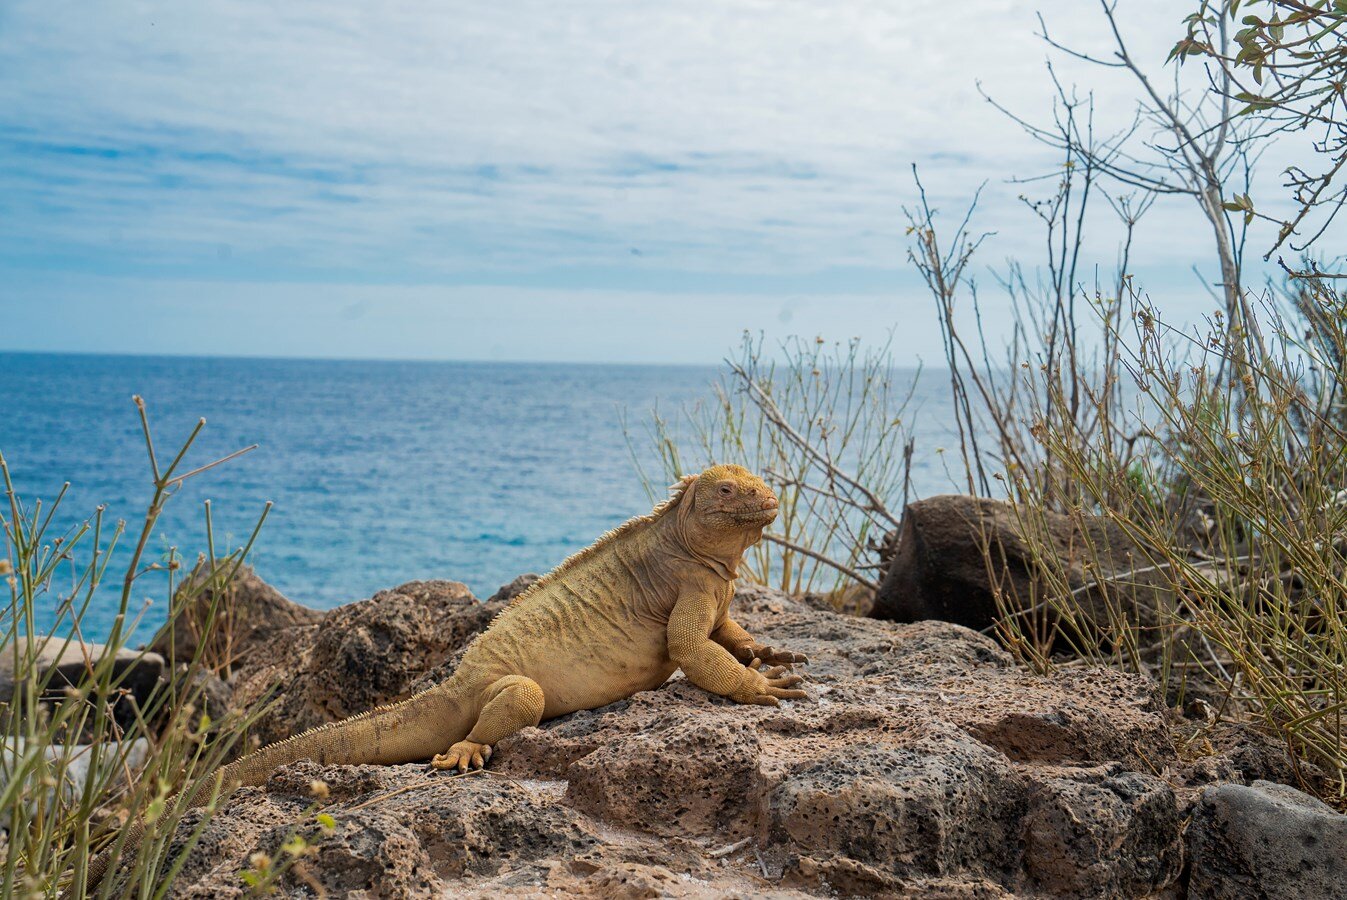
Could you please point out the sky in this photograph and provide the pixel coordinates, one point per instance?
(526, 180)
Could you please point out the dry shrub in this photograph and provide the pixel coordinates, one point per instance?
(70, 772)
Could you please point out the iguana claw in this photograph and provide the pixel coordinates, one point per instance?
(463, 756)
(770, 687)
(769, 655)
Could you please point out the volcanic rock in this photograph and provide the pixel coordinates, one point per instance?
(923, 764)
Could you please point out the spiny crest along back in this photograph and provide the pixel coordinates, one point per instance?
(677, 489)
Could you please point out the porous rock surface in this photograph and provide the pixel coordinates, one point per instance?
(923, 764)
(249, 615)
(358, 656)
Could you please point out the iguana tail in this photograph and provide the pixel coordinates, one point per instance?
(407, 731)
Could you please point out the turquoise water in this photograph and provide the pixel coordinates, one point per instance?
(380, 472)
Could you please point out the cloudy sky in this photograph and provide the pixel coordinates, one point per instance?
(594, 180)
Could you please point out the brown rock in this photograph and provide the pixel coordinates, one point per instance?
(404, 833)
(1075, 717)
(1235, 753)
(940, 569)
(626, 780)
(249, 614)
(847, 877)
(399, 831)
(208, 693)
(508, 592)
(1101, 832)
(925, 802)
(923, 764)
(850, 647)
(362, 655)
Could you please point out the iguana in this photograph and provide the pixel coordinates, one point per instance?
(648, 598)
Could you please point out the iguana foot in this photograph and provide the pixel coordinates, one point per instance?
(768, 688)
(463, 756)
(771, 656)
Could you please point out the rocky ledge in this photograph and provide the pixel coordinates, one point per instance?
(923, 764)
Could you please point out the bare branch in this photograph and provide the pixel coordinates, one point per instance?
(827, 561)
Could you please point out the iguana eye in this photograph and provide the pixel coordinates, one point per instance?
(726, 490)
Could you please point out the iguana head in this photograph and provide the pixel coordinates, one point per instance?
(732, 498)
(725, 506)
(721, 513)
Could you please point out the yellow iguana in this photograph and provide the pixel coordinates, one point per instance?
(621, 616)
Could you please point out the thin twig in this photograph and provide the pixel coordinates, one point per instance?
(727, 850)
(773, 413)
(814, 554)
(210, 465)
(429, 782)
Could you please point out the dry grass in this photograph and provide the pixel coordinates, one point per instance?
(1220, 452)
(61, 803)
(824, 424)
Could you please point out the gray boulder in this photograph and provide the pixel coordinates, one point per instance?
(1101, 832)
(57, 664)
(61, 663)
(1268, 841)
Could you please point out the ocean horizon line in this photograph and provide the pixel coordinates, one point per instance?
(236, 357)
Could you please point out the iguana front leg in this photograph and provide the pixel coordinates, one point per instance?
(740, 643)
(713, 668)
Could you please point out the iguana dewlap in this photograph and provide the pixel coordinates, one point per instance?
(648, 598)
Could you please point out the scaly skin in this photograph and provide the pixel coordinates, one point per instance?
(648, 598)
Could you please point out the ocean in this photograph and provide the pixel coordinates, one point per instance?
(379, 472)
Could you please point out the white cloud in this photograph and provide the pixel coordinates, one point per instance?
(431, 140)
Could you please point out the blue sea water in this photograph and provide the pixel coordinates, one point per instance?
(379, 472)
